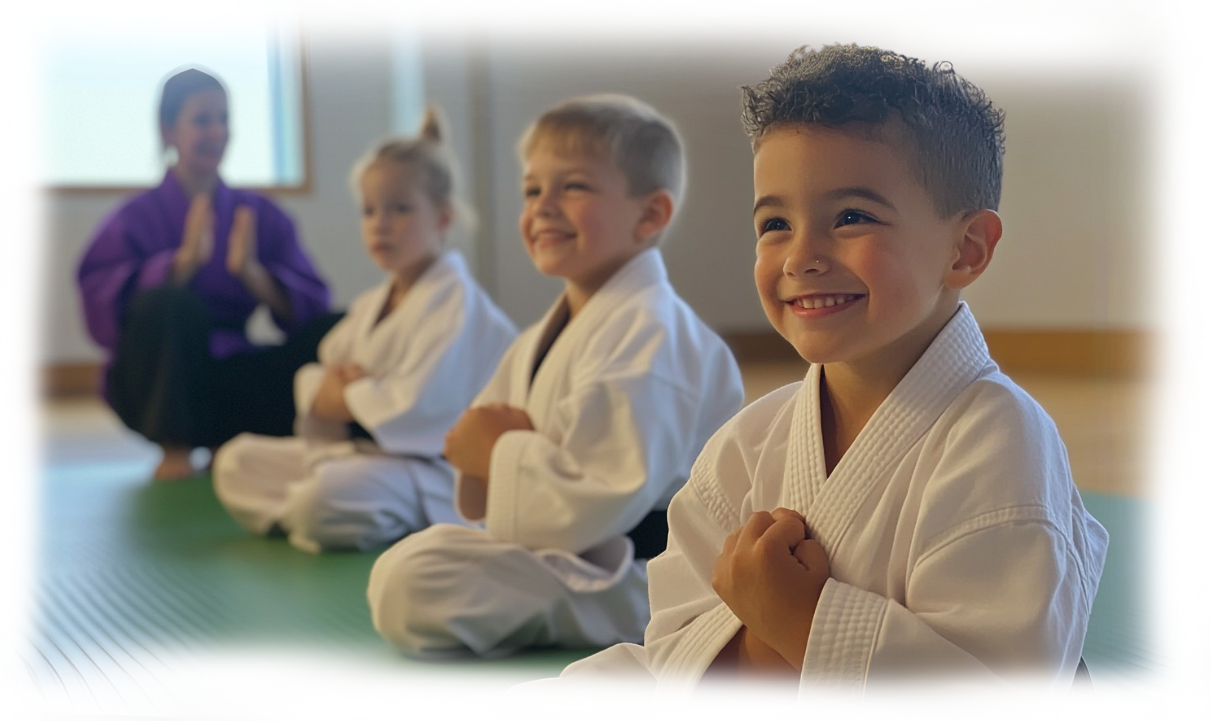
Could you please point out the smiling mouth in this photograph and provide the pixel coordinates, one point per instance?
(828, 300)
(549, 238)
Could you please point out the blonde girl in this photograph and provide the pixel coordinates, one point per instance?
(365, 468)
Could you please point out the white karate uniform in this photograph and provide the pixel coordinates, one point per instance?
(424, 361)
(957, 541)
(624, 400)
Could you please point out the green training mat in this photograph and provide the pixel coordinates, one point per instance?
(138, 582)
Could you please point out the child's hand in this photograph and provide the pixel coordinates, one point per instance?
(350, 372)
(197, 244)
(469, 444)
(329, 403)
(771, 575)
(241, 244)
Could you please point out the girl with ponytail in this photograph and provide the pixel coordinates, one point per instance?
(365, 468)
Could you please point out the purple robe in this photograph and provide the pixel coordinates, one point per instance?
(133, 249)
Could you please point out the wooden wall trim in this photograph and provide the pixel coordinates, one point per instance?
(1072, 352)
(1059, 352)
(62, 380)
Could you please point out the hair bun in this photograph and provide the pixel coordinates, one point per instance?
(433, 126)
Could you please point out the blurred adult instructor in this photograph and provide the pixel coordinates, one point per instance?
(172, 275)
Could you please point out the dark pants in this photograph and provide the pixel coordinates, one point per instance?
(164, 385)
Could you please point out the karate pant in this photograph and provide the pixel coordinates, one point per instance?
(351, 501)
(164, 385)
(452, 590)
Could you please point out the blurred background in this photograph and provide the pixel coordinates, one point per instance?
(125, 570)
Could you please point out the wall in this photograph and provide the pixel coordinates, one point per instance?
(1074, 201)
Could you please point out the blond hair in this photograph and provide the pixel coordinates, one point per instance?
(643, 144)
(428, 153)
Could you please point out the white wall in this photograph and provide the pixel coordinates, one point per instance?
(1074, 201)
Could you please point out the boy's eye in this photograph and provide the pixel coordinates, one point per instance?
(576, 185)
(772, 224)
(849, 217)
(402, 208)
(530, 192)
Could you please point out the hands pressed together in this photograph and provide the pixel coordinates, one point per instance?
(469, 444)
(771, 575)
(197, 245)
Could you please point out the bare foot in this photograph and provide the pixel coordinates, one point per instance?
(175, 465)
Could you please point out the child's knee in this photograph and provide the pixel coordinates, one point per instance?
(309, 516)
(329, 511)
(412, 586)
(229, 465)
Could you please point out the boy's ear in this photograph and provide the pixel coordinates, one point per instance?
(657, 213)
(981, 230)
(445, 216)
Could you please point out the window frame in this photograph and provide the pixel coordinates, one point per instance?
(302, 188)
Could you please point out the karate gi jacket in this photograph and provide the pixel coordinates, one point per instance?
(424, 362)
(624, 400)
(957, 541)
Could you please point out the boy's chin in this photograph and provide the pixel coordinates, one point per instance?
(550, 268)
(811, 353)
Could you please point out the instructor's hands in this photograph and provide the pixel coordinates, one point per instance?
(241, 245)
(197, 245)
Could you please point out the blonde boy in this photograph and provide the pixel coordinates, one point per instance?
(906, 509)
(570, 454)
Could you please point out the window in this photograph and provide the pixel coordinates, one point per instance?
(100, 100)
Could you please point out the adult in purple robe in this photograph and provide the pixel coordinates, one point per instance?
(170, 279)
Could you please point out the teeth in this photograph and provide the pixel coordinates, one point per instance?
(823, 301)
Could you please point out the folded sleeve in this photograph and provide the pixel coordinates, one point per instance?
(410, 409)
(621, 441)
(690, 624)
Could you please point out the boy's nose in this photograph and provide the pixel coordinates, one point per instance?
(545, 205)
(804, 257)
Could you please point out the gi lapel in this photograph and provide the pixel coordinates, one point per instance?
(953, 361)
(525, 391)
(369, 322)
(643, 270)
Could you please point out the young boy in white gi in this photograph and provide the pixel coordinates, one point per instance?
(906, 509)
(570, 454)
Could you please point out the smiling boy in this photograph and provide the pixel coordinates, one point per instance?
(906, 509)
(570, 454)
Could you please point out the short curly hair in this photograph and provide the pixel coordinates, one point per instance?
(949, 124)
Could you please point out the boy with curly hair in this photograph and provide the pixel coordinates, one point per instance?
(905, 509)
